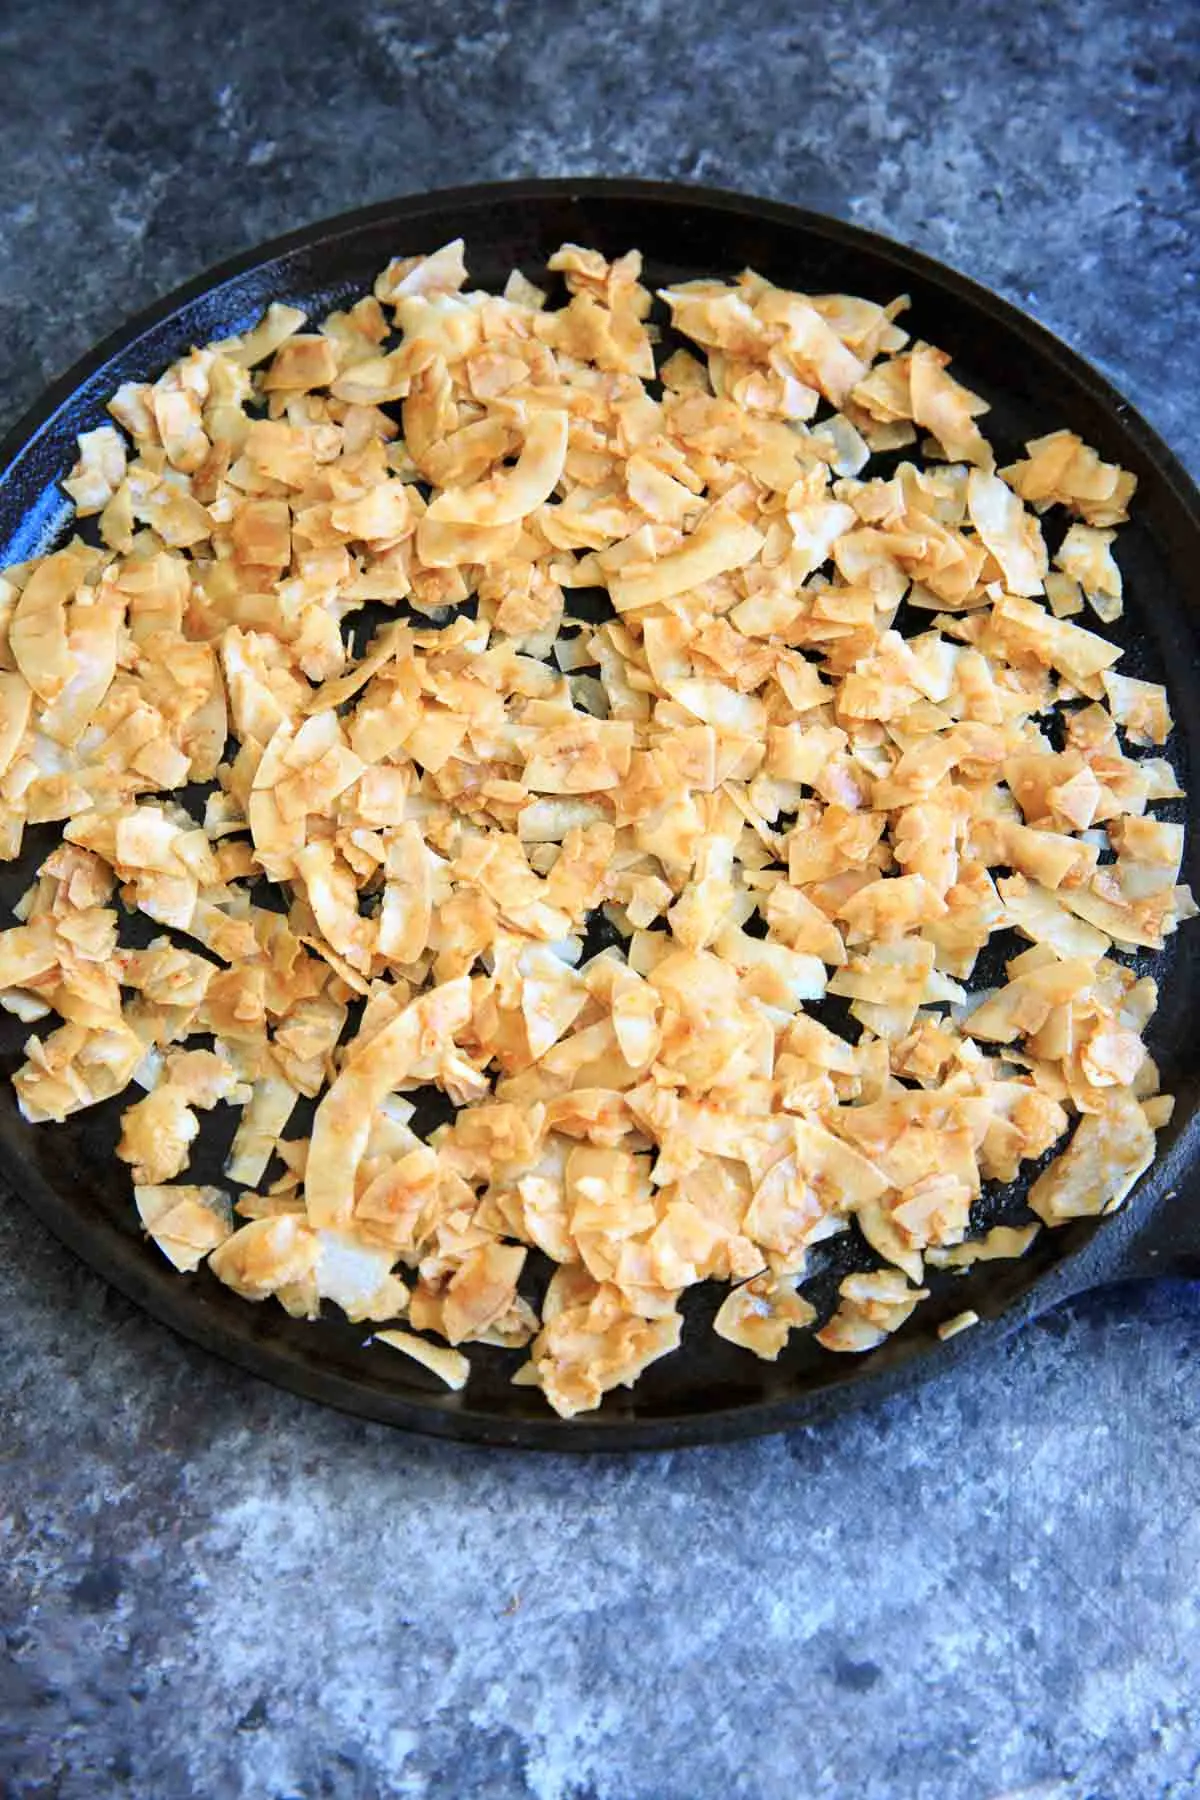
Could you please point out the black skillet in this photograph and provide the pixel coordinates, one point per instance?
(708, 1391)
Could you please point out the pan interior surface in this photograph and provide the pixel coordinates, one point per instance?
(709, 1389)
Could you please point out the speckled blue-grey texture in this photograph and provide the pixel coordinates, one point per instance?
(986, 1588)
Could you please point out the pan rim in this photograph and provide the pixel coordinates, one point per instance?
(180, 1305)
(60, 388)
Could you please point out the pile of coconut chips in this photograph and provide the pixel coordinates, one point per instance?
(769, 793)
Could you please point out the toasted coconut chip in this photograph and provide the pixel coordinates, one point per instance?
(816, 1177)
(185, 1222)
(38, 625)
(422, 1031)
(719, 543)
(761, 1313)
(1040, 916)
(872, 1307)
(357, 1277)
(333, 896)
(960, 1322)
(94, 480)
(259, 1129)
(450, 1366)
(1062, 468)
(157, 1132)
(1085, 556)
(506, 499)
(94, 642)
(1140, 706)
(16, 701)
(587, 1348)
(1107, 1153)
(1064, 594)
(407, 910)
(277, 324)
(75, 1067)
(1076, 653)
(265, 1256)
(482, 1290)
(946, 408)
(26, 952)
(1000, 1243)
(1009, 533)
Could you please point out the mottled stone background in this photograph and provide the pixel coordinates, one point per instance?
(988, 1588)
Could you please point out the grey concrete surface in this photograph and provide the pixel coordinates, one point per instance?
(987, 1588)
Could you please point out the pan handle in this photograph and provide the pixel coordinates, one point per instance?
(1156, 1235)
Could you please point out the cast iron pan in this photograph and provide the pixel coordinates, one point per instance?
(710, 1390)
